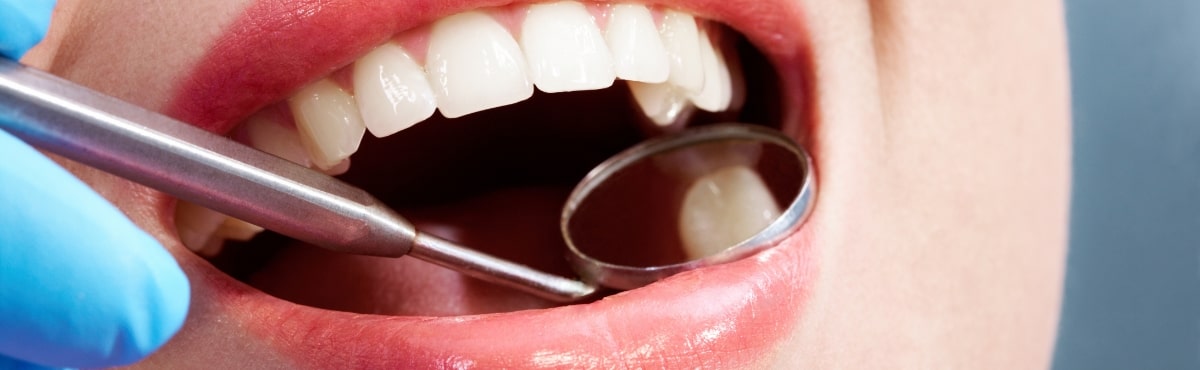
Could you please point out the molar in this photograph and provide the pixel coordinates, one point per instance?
(391, 90)
(474, 64)
(564, 48)
(637, 50)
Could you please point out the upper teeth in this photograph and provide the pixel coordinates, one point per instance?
(564, 48)
(392, 90)
(472, 62)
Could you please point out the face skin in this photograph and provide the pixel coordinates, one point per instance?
(939, 130)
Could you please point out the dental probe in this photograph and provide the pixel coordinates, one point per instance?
(213, 171)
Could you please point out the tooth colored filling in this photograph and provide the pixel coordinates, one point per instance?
(475, 61)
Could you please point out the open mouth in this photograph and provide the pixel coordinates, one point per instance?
(460, 143)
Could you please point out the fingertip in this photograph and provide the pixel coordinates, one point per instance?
(9, 363)
(82, 284)
(171, 292)
(23, 24)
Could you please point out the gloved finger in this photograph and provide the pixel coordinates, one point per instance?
(23, 23)
(9, 363)
(80, 284)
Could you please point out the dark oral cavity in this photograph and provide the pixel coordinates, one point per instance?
(493, 180)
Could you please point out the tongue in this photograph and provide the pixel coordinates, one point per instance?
(516, 224)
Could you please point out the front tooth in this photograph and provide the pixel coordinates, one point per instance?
(274, 137)
(718, 89)
(391, 90)
(724, 208)
(665, 104)
(681, 38)
(474, 64)
(564, 48)
(637, 50)
(329, 123)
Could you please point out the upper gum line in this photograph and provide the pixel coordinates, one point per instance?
(510, 16)
(415, 40)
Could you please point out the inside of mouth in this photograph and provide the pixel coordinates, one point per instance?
(494, 180)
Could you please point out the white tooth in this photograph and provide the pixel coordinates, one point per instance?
(718, 90)
(328, 121)
(474, 64)
(196, 226)
(663, 103)
(564, 48)
(337, 169)
(275, 137)
(681, 38)
(236, 229)
(637, 50)
(724, 208)
(392, 91)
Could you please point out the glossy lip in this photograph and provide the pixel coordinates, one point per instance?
(725, 316)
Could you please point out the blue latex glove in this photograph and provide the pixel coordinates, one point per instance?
(80, 284)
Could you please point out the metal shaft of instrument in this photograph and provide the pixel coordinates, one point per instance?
(210, 170)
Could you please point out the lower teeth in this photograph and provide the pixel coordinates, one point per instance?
(205, 231)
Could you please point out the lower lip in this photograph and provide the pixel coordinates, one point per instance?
(727, 316)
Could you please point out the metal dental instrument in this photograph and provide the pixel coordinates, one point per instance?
(792, 184)
(215, 172)
(239, 181)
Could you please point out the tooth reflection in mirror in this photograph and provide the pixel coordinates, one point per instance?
(721, 193)
(724, 208)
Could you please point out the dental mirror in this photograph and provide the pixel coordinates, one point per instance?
(704, 196)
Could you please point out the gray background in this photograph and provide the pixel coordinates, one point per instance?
(1133, 276)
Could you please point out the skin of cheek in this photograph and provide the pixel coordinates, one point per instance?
(949, 170)
(119, 48)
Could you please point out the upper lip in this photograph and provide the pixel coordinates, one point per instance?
(739, 310)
